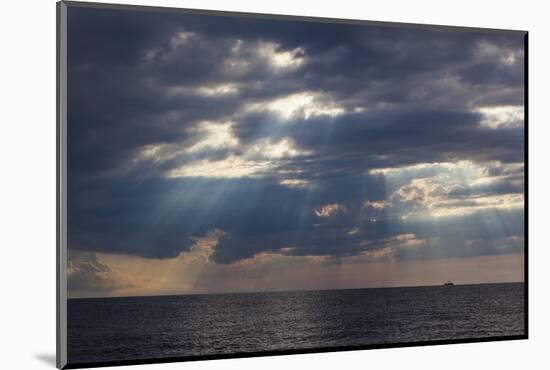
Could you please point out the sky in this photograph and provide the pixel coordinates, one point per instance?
(212, 154)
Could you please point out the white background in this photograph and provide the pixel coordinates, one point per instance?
(27, 182)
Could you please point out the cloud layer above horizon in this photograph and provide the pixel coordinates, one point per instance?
(235, 142)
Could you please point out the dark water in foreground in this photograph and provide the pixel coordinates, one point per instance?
(108, 329)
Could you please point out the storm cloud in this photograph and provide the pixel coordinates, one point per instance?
(291, 137)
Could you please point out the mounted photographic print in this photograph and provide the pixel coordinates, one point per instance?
(234, 185)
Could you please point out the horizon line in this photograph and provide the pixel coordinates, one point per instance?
(297, 290)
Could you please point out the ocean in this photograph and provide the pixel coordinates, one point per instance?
(137, 328)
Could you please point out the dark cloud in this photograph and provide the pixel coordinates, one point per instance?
(87, 274)
(379, 97)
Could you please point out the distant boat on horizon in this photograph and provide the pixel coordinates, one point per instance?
(448, 283)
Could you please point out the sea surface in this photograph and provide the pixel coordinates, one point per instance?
(110, 329)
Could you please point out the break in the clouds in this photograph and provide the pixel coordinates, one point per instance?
(245, 146)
